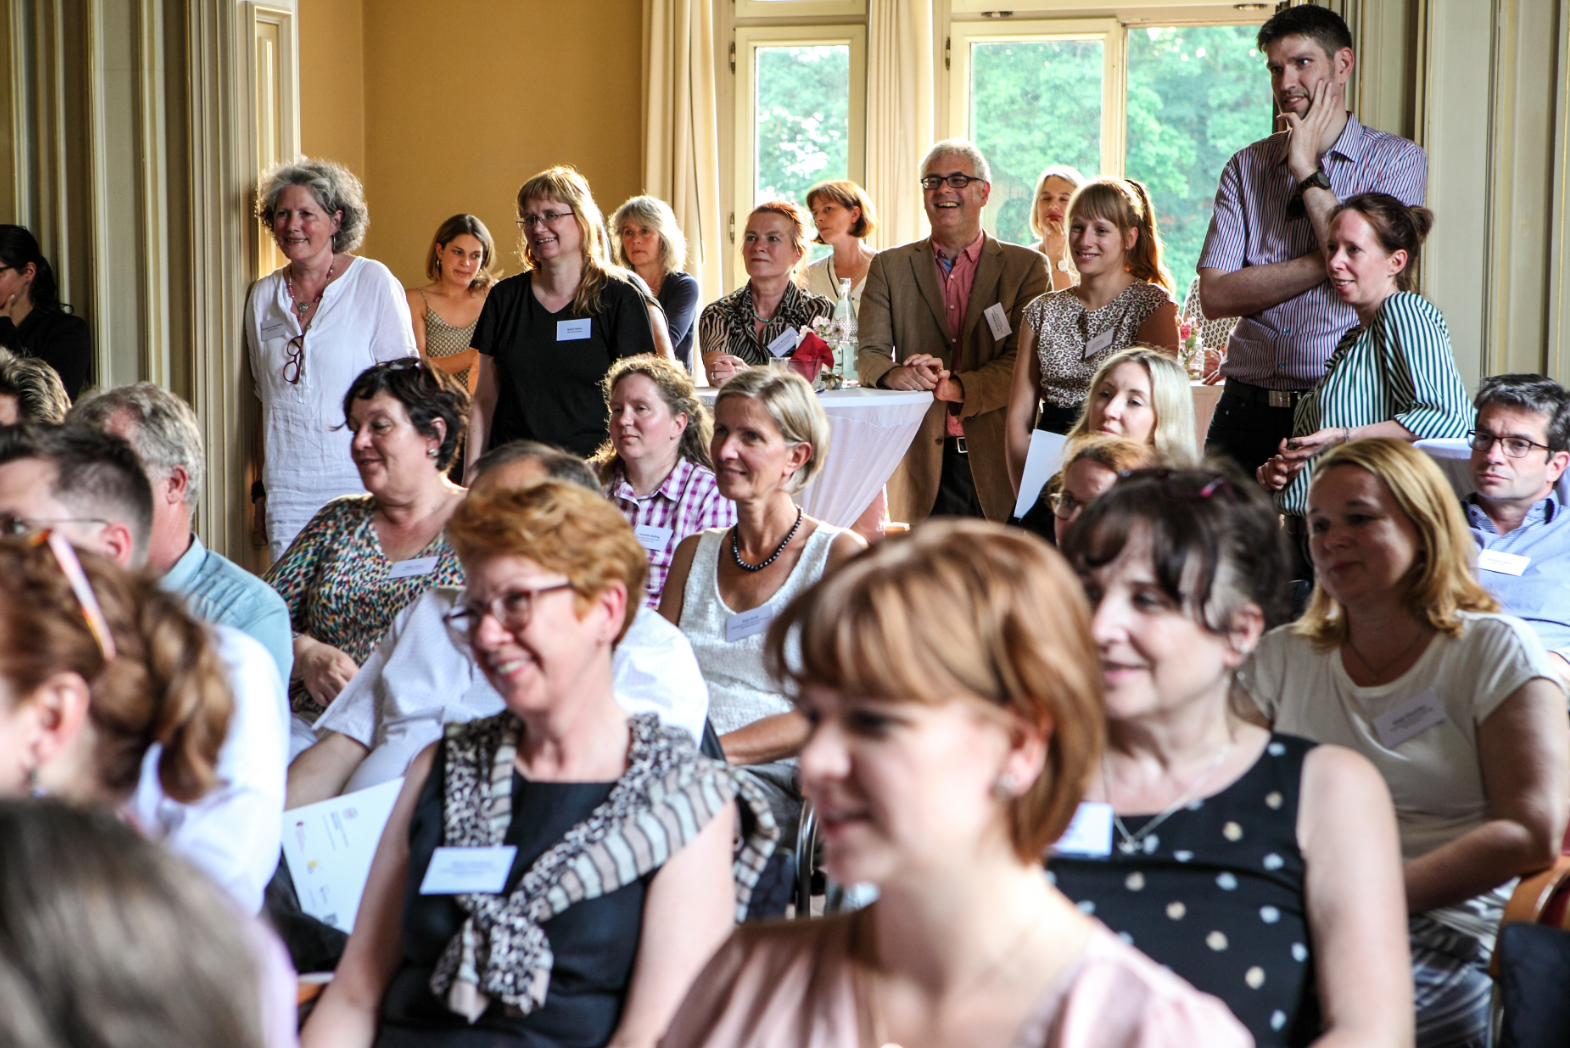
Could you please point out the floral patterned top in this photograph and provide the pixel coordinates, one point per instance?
(1066, 330)
(728, 324)
(342, 590)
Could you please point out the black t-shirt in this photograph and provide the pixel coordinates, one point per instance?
(549, 366)
(59, 339)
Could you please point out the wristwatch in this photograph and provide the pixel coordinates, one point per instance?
(1318, 180)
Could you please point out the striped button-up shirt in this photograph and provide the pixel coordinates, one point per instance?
(1287, 345)
(1400, 367)
(688, 501)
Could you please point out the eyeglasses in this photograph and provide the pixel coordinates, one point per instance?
(295, 359)
(955, 181)
(1065, 505)
(1515, 447)
(13, 524)
(550, 218)
(513, 608)
(71, 568)
(1188, 483)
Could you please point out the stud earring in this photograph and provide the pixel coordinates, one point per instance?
(432, 452)
(1003, 788)
(33, 789)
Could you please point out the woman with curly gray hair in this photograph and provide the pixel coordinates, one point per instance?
(311, 327)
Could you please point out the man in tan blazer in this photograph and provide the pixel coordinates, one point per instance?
(943, 314)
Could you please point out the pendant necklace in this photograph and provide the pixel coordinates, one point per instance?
(302, 308)
(1130, 844)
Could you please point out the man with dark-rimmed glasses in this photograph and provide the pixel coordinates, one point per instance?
(1520, 449)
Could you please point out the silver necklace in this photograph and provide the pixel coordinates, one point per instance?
(1376, 674)
(1130, 844)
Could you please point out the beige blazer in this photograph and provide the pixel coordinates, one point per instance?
(902, 315)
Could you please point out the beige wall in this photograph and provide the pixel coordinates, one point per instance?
(444, 108)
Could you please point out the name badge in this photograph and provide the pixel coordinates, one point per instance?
(1090, 834)
(653, 539)
(1410, 719)
(461, 871)
(572, 330)
(787, 342)
(1506, 563)
(408, 569)
(998, 321)
(1100, 343)
(277, 329)
(748, 623)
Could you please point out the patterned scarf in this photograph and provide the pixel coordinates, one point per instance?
(665, 798)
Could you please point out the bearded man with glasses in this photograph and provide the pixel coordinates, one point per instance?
(1520, 448)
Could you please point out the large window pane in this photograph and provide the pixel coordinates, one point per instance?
(802, 109)
(1033, 103)
(1196, 95)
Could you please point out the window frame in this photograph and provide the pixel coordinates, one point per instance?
(748, 40)
(800, 8)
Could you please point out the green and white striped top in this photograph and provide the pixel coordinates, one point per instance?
(1400, 367)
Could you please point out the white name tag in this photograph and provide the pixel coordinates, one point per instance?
(787, 342)
(408, 569)
(747, 623)
(1507, 563)
(1100, 343)
(1410, 719)
(277, 329)
(998, 321)
(1090, 834)
(572, 330)
(652, 538)
(460, 871)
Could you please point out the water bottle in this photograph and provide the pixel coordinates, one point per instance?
(845, 342)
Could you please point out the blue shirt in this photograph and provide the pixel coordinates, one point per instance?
(1538, 593)
(220, 591)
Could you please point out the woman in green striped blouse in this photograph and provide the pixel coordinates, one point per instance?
(1393, 375)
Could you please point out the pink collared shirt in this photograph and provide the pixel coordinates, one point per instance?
(956, 283)
(688, 501)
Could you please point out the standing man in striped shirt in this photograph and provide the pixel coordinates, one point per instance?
(1263, 260)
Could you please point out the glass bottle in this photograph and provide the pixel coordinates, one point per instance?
(845, 341)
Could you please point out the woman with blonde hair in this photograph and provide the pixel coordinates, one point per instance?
(647, 239)
(953, 690)
(760, 320)
(726, 585)
(547, 336)
(1404, 657)
(656, 465)
(1055, 190)
(844, 218)
(1091, 465)
(459, 267)
(1123, 298)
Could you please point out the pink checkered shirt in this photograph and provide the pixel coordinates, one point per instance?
(688, 502)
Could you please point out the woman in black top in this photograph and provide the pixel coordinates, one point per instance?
(1258, 867)
(32, 321)
(547, 336)
(646, 239)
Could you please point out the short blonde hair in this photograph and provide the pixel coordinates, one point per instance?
(565, 185)
(793, 407)
(1117, 454)
(561, 527)
(799, 224)
(1440, 582)
(1174, 437)
(657, 217)
(963, 609)
(1068, 174)
(847, 195)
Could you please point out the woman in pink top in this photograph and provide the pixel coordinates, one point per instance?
(954, 696)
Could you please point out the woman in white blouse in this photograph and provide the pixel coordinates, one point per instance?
(1404, 657)
(844, 219)
(311, 327)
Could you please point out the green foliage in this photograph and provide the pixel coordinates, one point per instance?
(803, 113)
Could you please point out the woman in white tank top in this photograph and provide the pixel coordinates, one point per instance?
(726, 585)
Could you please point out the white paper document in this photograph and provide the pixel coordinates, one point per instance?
(1046, 452)
(329, 846)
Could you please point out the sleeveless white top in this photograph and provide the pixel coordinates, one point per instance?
(740, 690)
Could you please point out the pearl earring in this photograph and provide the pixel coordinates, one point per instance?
(1003, 788)
(431, 452)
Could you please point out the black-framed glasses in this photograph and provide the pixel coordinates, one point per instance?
(549, 218)
(1188, 483)
(16, 524)
(1065, 505)
(1515, 447)
(955, 181)
(294, 359)
(513, 608)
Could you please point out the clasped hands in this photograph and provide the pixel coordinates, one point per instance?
(1295, 453)
(926, 372)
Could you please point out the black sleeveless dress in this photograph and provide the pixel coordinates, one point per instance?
(594, 943)
(1216, 894)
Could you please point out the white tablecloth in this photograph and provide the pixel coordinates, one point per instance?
(870, 430)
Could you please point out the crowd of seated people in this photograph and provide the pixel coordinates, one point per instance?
(1255, 755)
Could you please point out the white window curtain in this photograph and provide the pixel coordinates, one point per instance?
(899, 115)
(681, 145)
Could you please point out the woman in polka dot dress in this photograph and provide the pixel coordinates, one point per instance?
(1262, 868)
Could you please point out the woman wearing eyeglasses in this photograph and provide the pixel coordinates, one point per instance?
(616, 880)
(311, 326)
(547, 336)
(364, 558)
(1260, 867)
(1093, 466)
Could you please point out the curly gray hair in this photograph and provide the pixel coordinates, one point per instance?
(166, 431)
(335, 189)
